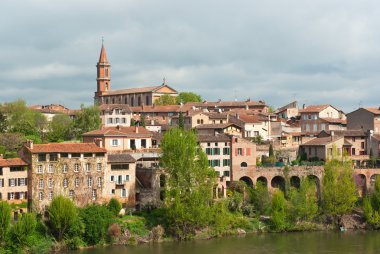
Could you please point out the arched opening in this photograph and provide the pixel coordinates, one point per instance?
(295, 182)
(247, 180)
(162, 181)
(262, 180)
(373, 179)
(361, 184)
(243, 164)
(314, 179)
(278, 182)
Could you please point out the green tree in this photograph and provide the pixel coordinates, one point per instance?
(165, 100)
(181, 121)
(87, 119)
(60, 128)
(142, 120)
(5, 218)
(261, 199)
(3, 122)
(133, 122)
(339, 189)
(96, 221)
(114, 206)
(23, 229)
(62, 216)
(258, 140)
(371, 206)
(188, 193)
(304, 201)
(271, 152)
(185, 97)
(278, 222)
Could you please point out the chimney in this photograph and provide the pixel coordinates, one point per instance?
(118, 127)
(1, 156)
(303, 106)
(137, 129)
(29, 143)
(99, 142)
(332, 135)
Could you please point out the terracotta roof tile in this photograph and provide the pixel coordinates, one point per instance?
(314, 108)
(321, 141)
(66, 148)
(110, 107)
(120, 131)
(120, 158)
(214, 138)
(334, 120)
(156, 109)
(373, 110)
(12, 162)
(215, 126)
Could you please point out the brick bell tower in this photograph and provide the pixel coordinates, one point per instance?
(103, 78)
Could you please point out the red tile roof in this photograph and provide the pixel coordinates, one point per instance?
(12, 162)
(66, 148)
(373, 110)
(158, 109)
(314, 108)
(334, 120)
(120, 131)
(321, 141)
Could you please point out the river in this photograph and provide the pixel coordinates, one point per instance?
(284, 243)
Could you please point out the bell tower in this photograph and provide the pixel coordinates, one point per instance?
(103, 72)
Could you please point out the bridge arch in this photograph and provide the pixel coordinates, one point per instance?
(278, 182)
(247, 180)
(373, 179)
(295, 181)
(361, 183)
(263, 180)
(315, 179)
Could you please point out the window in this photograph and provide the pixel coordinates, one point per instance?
(1, 182)
(71, 194)
(99, 182)
(315, 127)
(123, 193)
(127, 178)
(123, 120)
(77, 181)
(11, 195)
(216, 144)
(226, 173)
(53, 157)
(217, 151)
(50, 195)
(323, 126)
(198, 121)
(41, 157)
(64, 170)
(65, 183)
(226, 162)
(40, 169)
(132, 144)
(115, 142)
(208, 144)
(112, 178)
(93, 194)
(41, 184)
(307, 127)
(64, 155)
(50, 183)
(50, 168)
(99, 166)
(109, 120)
(75, 155)
(117, 120)
(243, 165)
(226, 151)
(362, 145)
(89, 181)
(208, 151)
(119, 166)
(240, 151)
(40, 196)
(143, 143)
(76, 167)
(88, 167)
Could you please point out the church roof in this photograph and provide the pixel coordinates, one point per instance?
(103, 55)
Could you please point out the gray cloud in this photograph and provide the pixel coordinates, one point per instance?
(314, 51)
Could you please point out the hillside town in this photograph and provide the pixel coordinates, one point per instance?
(244, 140)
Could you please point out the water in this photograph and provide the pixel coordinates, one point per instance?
(294, 243)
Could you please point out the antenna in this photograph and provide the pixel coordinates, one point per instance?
(360, 103)
(102, 40)
(235, 95)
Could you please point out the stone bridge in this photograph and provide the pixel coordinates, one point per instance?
(274, 177)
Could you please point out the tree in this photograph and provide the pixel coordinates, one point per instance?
(96, 221)
(114, 206)
(62, 216)
(133, 122)
(142, 121)
(165, 100)
(185, 97)
(3, 122)
(5, 219)
(258, 139)
(339, 189)
(60, 128)
(371, 206)
(271, 152)
(11, 143)
(87, 119)
(23, 229)
(278, 211)
(188, 192)
(261, 199)
(181, 121)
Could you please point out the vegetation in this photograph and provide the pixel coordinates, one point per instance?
(5, 218)
(183, 97)
(165, 100)
(181, 121)
(114, 206)
(87, 119)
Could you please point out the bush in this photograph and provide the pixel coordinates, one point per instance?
(278, 211)
(114, 206)
(5, 218)
(96, 221)
(157, 233)
(23, 229)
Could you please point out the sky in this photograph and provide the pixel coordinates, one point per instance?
(315, 52)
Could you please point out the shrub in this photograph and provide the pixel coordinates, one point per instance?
(5, 218)
(278, 211)
(114, 206)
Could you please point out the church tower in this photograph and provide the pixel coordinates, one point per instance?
(103, 72)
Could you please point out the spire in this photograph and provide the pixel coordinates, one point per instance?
(103, 55)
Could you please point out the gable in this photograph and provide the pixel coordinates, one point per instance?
(165, 90)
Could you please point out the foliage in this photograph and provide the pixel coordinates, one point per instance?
(339, 189)
(5, 218)
(87, 119)
(60, 128)
(371, 206)
(188, 194)
(181, 121)
(23, 229)
(278, 222)
(3, 122)
(133, 122)
(258, 140)
(260, 198)
(62, 216)
(165, 100)
(304, 201)
(96, 220)
(142, 121)
(185, 97)
(271, 152)
(114, 206)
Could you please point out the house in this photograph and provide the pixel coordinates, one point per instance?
(13, 180)
(131, 96)
(325, 148)
(243, 160)
(213, 129)
(49, 111)
(288, 111)
(365, 119)
(257, 106)
(255, 125)
(121, 139)
(75, 170)
(115, 114)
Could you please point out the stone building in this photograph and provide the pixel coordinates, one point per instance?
(75, 170)
(131, 96)
(13, 180)
(365, 119)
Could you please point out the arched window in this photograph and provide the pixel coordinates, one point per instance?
(243, 165)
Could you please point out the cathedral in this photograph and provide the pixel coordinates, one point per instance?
(130, 96)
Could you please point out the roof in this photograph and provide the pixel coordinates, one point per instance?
(121, 158)
(214, 115)
(227, 103)
(251, 118)
(314, 108)
(348, 133)
(321, 141)
(103, 55)
(293, 104)
(110, 107)
(373, 110)
(214, 138)
(334, 120)
(215, 126)
(120, 131)
(148, 89)
(12, 162)
(66, 148)
(156, 108)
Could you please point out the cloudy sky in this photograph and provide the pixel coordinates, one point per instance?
(316, 52)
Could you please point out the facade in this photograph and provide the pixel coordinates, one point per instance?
(121, 139)
(13, 180)
(243, 159)
(257, 106)
(214, 129)
(75, 170)
(253, 125)
(365, 119)
(115, 114)
(49, 111)
(132, 96)
(288, 111)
